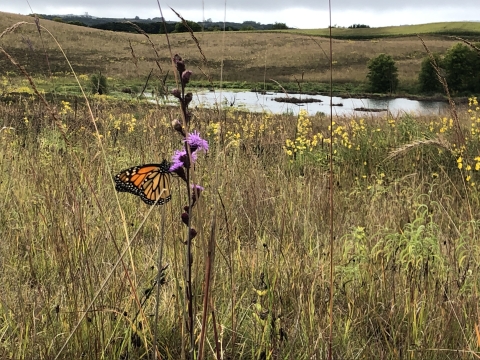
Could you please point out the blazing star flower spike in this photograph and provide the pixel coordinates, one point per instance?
(196, 142)
(180, 159)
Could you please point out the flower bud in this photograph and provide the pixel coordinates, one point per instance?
(192, 234)
(186, 76)
(179, 63)
(180, 173)
(177, 125)
(196, 191)
(185, 218)
(188, 98)
(177, 93)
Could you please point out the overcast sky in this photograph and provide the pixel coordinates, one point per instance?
(305, 14)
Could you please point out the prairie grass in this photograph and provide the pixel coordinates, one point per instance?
(406, 250)
(405, 255)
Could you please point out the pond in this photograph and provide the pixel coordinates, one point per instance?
(255, 101)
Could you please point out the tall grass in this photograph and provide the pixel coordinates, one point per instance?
(405, 247)
(406, 236)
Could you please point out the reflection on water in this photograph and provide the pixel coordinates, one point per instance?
(264, 102)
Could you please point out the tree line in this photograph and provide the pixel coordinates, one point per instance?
(159, 27)
(460, 67)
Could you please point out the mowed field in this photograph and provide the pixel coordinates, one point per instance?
(246, 56)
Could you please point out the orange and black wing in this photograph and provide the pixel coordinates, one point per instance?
(150, 181)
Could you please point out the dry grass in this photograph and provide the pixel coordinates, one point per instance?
(406, 230)
(405, 248)
(247, 54)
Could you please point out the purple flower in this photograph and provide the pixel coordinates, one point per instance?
(197, 188)
(196, 142)
(180, 159)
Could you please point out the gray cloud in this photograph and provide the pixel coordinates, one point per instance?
(299, 13)
(249, 5)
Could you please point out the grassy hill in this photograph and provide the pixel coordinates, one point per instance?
(247, 57)
(471, 29)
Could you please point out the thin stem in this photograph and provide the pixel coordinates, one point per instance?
(330, 337)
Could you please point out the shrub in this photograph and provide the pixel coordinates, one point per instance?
(99, 84)
(382, 74)
(462, 65)
(427, 78)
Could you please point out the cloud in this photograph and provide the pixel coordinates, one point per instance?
(300, 13)
(246, 5)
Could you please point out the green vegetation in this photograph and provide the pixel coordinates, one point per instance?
(459, 67)
(382, 74)
(462, 64)
(192, 25)
(427, 78)
(359, 26)
(98, 84)
(442, 28)
(80, 262)
(250, 58)
(405, 252)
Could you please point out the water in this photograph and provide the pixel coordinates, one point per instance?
(264, 102)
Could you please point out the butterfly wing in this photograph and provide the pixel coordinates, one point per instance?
(151, 182)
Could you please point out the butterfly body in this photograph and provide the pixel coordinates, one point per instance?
(151, 182)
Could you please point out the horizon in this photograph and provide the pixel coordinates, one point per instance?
(302, 14)
(89, 15)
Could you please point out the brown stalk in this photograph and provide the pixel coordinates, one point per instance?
(330, 190)
(140, 30)
(205, 62)
(12, 28)
(146, 83)
(135, 60)
(207, 280)
(466, 42)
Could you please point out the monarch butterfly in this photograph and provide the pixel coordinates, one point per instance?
(150, 181)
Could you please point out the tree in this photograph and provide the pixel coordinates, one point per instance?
(427, 78)
(279, 26)
(359, 26)
(462, 65)
(382, 74)
(180, 27)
